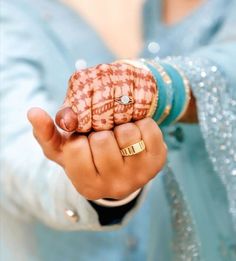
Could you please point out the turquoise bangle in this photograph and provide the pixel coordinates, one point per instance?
(162, 95)
(179, 94)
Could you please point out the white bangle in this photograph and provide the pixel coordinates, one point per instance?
(117, 203)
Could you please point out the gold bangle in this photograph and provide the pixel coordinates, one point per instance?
(166, 78)
(153, 106)
(135, 63)
(187, 91)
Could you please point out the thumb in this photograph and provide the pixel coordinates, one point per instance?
(67, 119)
(45, 131)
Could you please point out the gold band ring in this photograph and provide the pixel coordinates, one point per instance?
(133, 149)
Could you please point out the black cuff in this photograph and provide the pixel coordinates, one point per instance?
(113, 215)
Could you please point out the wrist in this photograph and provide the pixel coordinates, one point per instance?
(190, 116)
(174, 93)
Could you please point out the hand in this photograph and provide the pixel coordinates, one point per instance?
(94, 163)
(93, 97)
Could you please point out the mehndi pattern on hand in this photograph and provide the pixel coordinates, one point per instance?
(93, 98)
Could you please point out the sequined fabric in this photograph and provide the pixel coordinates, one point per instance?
(217, 116)
(185, 243)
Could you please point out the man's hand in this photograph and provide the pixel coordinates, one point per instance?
(94, 163)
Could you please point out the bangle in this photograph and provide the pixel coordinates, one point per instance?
(165, 91)
(134, 63)
(180, 95)
(117, 203)
(168, 90)
(141, 65)
(187, 91)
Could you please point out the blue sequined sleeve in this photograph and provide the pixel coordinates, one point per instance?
(212, 74)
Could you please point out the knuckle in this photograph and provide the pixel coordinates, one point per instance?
(77, 143)
(119, 190)
(81, 143)
(100, 137)
(89, 193)
(102, 68)
(125, 66)
(126, 130)
(157, 165)
(146, 122)
(142, 179)
(149, 124)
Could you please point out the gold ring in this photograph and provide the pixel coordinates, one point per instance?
(133, 149)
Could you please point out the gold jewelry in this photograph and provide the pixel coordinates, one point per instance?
(166, 78)
(153, 106)
(117, 203)
(135, 63)
(187, 91)
(133, 149)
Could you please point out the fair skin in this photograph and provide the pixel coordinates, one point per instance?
(93, 162)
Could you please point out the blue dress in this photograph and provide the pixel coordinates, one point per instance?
(188, 212)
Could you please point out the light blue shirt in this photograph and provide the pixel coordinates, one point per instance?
(189, 211)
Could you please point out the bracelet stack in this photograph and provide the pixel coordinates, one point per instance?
(173, 92)
(168, 105)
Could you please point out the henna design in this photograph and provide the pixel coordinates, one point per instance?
(92, 99)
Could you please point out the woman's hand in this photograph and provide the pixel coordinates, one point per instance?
(94, 163)
(94, 97)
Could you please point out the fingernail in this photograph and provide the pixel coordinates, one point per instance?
(63, 125)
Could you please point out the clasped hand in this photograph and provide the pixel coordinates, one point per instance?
(93, 162)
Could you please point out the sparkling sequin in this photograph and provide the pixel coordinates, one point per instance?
(185, 242)
(217, 116)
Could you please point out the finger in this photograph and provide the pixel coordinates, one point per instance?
(67, 119)
(106, 153)
(122, 78)
(155, 146)
(81, 170)
(78, 98)
(151, 135)
(127, 135)
(102, 100)
(143, 93)
(45, 131)
(83, 99)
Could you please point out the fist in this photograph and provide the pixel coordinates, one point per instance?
(94, 163)
(106, 95)
(100, 171)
